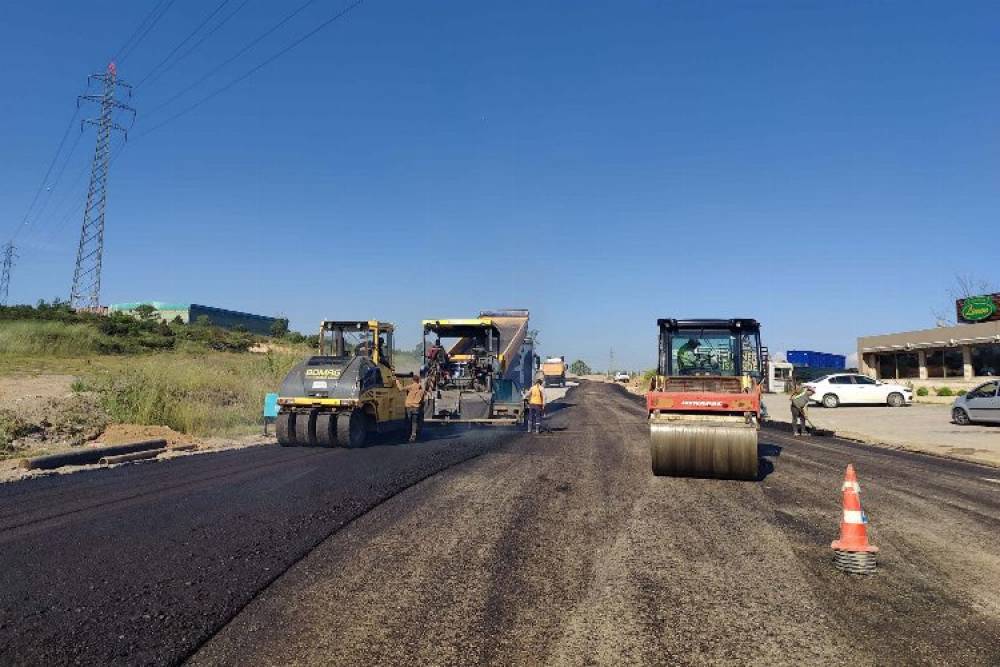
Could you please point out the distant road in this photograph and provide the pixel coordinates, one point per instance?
(514, 549)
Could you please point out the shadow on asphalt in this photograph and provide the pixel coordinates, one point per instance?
(765, 465)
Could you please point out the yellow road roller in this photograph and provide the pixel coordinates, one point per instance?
(704, 404)
(345, 393)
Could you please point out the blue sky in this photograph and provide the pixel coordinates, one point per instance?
(824, 167)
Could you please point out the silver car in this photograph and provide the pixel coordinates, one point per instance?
(982, 404)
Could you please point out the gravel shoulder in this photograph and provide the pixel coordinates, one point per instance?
(563, 549)
(919, 428)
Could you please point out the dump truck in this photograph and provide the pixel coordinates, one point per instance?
(704, 404)
(477, 368)
(345, 393)
(554, 372)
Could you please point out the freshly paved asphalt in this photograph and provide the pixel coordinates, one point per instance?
(487, 547)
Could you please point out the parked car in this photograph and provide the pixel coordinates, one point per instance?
(622, 376)
(982, 404)
(855, 389)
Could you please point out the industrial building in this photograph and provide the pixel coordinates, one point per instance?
(964, 353)
(190, 313)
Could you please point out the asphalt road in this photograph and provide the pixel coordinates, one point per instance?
(492, 548)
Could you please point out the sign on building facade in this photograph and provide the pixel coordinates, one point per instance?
(985, 308)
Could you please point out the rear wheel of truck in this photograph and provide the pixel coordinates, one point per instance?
(284, 428)
(326, 430)
(305, 428)
(352, 429)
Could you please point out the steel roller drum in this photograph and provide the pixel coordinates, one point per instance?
(704, 449)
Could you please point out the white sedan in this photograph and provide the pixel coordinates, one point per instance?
(855, 389)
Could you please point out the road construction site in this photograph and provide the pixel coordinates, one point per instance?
(493, 546)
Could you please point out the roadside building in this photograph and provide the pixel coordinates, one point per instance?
(958, 355)
(779, 376)
(190, 313)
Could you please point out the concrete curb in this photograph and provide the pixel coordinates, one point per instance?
(89, 455)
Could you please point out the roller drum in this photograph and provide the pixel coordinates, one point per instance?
(703, 449)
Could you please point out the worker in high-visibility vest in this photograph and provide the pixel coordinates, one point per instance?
(536, 406)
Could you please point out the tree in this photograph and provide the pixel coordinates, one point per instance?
(203, 321)
(579, 367)
(964, 286)
(279, 328)
(146, 312)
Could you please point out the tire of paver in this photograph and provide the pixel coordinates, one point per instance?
(326, 430)
(352, 429)
(831, 401)
(284, 428)
(305, 428)
(895, 400)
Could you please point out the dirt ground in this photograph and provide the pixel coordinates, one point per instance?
(55, 419)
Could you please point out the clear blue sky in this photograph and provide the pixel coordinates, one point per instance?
(824, 168)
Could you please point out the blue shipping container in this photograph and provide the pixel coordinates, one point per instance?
(811, 359)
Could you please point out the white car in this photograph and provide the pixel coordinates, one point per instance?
(982, 404)
(855, 389)
(622, 376)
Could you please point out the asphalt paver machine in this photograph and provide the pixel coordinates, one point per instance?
(477, 368)
(704, 404)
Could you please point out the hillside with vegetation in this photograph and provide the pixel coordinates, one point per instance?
(96, 370)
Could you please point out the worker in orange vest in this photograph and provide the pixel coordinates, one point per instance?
(536, 406)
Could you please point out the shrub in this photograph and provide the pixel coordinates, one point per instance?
(200, 394)
(11, 428)
(50, 338)
(922, 391)
(961, 392)
(945, 391)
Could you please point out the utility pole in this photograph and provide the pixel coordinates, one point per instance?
(86, 291)
(8, 264)
(611, 362)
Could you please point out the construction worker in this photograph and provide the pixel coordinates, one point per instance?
(687, 357)
(536, 406)
(800, 398)
(414, 404)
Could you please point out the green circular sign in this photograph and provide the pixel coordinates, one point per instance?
(978, 308)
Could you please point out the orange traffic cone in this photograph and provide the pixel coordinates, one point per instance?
(851, 479)
(852, 552)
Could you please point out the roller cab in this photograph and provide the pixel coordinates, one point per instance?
(704, 403)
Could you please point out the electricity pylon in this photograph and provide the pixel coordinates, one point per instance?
(86, 291)
(8, 264)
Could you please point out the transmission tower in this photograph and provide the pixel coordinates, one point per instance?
(8, 264)
(86, 291)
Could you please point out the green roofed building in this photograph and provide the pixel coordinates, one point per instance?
(191, 312)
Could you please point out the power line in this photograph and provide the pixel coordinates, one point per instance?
(33, 224)
(194, 47)
(184, 41)
(254, 69)
(256, 40)
(127, 50)
(41, 186)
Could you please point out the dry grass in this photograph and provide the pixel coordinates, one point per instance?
(217, 393)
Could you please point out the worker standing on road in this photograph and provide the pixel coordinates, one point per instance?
(415, 394)
(800, 403)
(536, 406)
